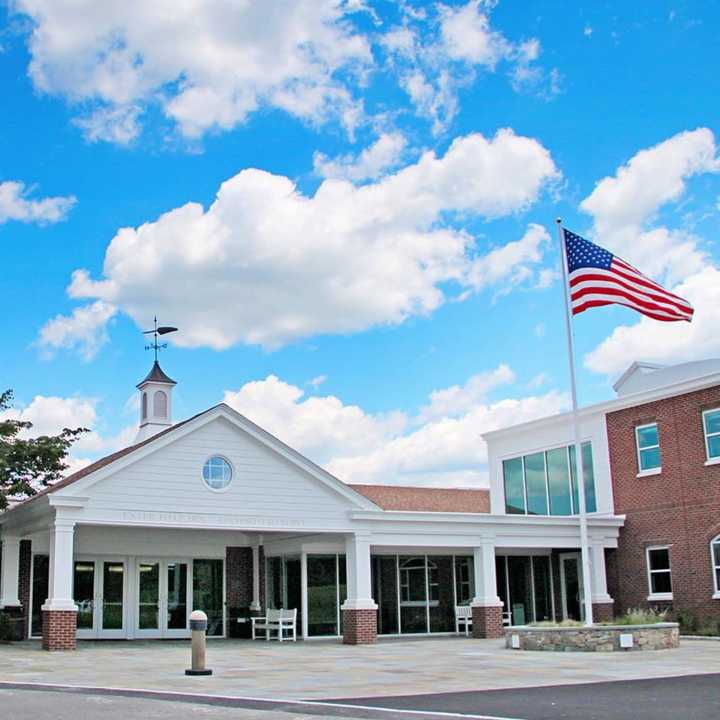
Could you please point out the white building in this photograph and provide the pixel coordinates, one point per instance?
(217, 514)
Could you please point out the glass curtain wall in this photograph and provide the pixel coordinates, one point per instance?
(283, 584)
(525, 586)
(544, 483)
(417, 594)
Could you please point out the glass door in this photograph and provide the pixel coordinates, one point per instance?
(162, 598)
(572, 588)
(112, 598)
(84, 594)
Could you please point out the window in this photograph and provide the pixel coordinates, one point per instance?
(217, 473)
(544, 483)
(659, 580)
(648, 447)
(715, 555)
(160, 404)
(144, 406)
(711, 425)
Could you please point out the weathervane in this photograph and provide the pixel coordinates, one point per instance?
(162, 330)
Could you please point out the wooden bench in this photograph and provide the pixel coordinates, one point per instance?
(278, 621)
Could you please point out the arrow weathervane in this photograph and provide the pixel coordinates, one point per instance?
(162, 330)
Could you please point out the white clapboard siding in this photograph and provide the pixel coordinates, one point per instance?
(264, 483)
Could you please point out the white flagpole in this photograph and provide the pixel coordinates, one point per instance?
(579, 474)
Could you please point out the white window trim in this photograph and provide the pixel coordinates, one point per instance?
(649, 471)
(715, 568)
(706, 435)
(651, 595)
(205, 482)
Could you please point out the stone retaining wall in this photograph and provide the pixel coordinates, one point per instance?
(598, 638)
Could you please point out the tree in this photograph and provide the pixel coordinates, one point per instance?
(29, 464)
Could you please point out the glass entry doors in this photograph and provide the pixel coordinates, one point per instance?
(572, 587)
(163, 597)
(99, 591)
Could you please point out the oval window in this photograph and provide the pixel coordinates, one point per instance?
(217, 473)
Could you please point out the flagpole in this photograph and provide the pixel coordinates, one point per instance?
(580, 475)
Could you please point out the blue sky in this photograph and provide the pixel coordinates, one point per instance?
(380, 285)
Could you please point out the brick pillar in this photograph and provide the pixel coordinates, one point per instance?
(59, 628)
(603, 612)
(359, 626)
(487, 621)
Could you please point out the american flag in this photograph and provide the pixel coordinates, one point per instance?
(597, 277)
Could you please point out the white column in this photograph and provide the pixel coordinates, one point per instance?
(304, 593)
(255, 604)
(359, 584)
(485, 580)
(598, 575)
(10, 580)
(61, 567)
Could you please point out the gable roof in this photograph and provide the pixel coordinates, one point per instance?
(424, 499)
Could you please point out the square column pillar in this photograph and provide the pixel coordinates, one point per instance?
(59, 610)
(487, 607)
(359, 610)
(255, 604)
(603, 604)
(10, 579)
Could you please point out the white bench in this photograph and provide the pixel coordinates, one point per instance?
(277, 621)
(463, 616)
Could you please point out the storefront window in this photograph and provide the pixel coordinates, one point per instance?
(464, 580)
(323, 594)
(385, 592)
(40, 585)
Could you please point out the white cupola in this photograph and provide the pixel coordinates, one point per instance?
(155, 403)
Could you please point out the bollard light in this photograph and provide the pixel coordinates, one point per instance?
(198, 626)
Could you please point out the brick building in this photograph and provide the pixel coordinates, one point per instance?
(656, 461)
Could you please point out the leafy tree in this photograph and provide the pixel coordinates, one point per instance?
(26, 465)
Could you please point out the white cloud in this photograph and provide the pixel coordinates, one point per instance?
(208, 65)
(265, 264)
(360, 447)
(625, 205)
(587, 31)
(49, 415)
(371, 163)
(458, 400)
(15, 205)
(667, 342)
(84, 330)
(436, 54)
(316, 382)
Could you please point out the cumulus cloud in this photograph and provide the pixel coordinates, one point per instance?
(667, 342)
(384, 154)
(267, 265)
(442, 446)
(85, 330)
(16, 205)
(49, 415)
(625, 208)
(207, 65)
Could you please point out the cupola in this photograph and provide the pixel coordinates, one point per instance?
(155, 402)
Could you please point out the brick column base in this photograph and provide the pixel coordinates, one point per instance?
(603, 612)
(359, 626)
(487, 621)
(58, 632)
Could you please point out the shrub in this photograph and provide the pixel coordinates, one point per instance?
(640, 616)
(691, 624)
(561, 623)
(6, 628)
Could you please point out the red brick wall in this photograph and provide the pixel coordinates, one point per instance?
(59, 628)
(239, 581)
(680, 507)
(359, 627)
(487, 622)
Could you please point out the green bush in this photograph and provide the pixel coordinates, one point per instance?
(561, 623)
(691, 624)
(5, 628)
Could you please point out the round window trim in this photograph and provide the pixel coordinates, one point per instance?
(220, 467)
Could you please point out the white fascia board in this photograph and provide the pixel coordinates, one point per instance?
(631, 400)
(67, 501)
(241, 422)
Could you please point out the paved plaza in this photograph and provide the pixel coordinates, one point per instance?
(330, 670)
